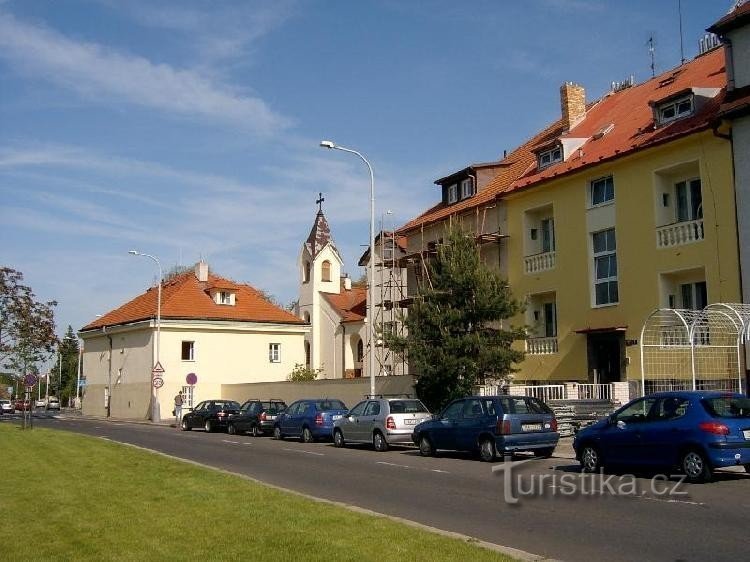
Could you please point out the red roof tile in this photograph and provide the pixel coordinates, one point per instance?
(350, 304)
(628, 120)
(185, 298)
(734, 19)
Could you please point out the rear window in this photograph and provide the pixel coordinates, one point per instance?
(407, 407)
(330, 405)
(274, 407)
(524, 405)
(727, 407)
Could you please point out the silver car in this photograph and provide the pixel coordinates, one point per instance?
(380, 421)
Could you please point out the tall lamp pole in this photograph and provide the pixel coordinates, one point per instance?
(154, 410)
(371, 266)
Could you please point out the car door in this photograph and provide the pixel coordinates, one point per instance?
(349, 424)
(194, 417)
(241, 420)
(667, 429)
(622, 439)
(288, 419)
(469, 425)
(443, 434)
(367, 421)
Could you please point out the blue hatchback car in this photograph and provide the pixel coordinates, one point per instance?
(309, 419)
(695, 431)
(490, 425)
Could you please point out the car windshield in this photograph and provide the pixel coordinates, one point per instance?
(727, 406)
(228, 405)
(330, 405)
(407, 407)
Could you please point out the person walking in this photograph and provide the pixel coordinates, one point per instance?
(178, 409)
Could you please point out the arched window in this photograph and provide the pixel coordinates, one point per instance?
(360, 351)
(306, 272)
(326, 270)
(307, 353)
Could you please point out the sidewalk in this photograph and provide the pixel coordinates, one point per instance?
(73, 414)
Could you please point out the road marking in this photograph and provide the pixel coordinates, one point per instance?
(392, 464)
(440, 471)
(247, 443)
(306, 452)
(228, 441)
(653, 499)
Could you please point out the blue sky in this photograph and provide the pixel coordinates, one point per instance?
(191, 128)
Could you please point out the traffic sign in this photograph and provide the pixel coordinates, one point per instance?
(157, 368)
(30, 380)
(158, 382)
(82, 382)
(191, 379)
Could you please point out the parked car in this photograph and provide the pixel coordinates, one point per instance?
(22, 405)
(210, 415)
(382, 422)
(309, 419)
(41, 403)
(53, 403)
(694, 431)
(6, 406)
(256, 416)
(491, 425)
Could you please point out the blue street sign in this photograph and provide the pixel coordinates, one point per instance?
(82, 382)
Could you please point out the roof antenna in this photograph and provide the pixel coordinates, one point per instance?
(682, 50)
(651, 49)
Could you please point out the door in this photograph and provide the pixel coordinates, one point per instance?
(622, 440)
(367, 421)
(444, 432)
(605, 352)
(470, 425)
(666, 431)
(349, 424)
(195, 416)
(288, 419)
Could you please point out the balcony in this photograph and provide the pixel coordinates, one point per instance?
(539, 262)
(541, 346)
(679, 233)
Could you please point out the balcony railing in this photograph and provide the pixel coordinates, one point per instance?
(539, 262)
(541, 346)
(679, 233)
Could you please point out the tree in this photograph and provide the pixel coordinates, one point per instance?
(454, 339)
(27, 327)
(301, 373)
(66, 367)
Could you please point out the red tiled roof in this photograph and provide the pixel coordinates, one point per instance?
(631, 118)
(734, 19)
(184, 297)
(736, 103)
(350, 304)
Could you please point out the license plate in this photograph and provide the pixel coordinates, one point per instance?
(410, 422)
(334, 418)
(746, 433)
(270, 417)
(531, 426)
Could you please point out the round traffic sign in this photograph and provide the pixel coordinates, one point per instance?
(191, 379)
(158, 382)
(30, 379)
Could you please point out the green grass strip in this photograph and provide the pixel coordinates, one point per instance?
(71, 497)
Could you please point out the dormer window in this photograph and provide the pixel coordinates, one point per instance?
(225, 297)
(452, 193)
(675, 109)
(549, 157)
(467, 188)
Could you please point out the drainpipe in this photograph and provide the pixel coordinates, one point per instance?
(343, 350)
(109, 377)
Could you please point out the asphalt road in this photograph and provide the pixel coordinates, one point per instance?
(458, 493)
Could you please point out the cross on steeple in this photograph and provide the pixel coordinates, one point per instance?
(319, 201)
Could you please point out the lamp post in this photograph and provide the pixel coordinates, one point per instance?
(154, 411)
(371, 266)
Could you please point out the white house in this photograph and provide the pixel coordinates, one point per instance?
(222, 332)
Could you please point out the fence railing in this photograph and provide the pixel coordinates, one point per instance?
(594, 391)
(539, 262)
(541, 346)
(679, 233)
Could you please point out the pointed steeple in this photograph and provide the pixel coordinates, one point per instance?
(320, 235)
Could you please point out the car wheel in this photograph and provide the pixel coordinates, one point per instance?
(184, 426)
(379, 442)
(209, 426)
(591, 459)
(231, 430)
(544, 453)
(307, 436)
(338, 439)
(695, 466)
(425, 447)
(487, 450)
(255, 431)
(277, 433)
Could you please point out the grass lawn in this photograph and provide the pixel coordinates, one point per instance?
(70, 497)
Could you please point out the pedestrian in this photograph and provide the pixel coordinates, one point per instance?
(178, 409)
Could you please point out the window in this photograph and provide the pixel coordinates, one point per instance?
(388, 253)
(373, 409)
(187, 397)
(306, 272)
(360, 351)
(550, 320)
(549, 157)
(358, 409)
(472, 409)
(548, 235)
(605, 267)
(467, 188)
(670, 409)
(274, 352)
(452, 193)
(225, 297)
(307, 353)
(636, 412)
(325, 270)
(188, 351)
(453, 411)
(694, 295)
(602, 191)
(689, 200)
(675, 109)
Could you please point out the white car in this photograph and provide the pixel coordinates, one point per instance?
(53, 403)
(41, 403)
(6, 406)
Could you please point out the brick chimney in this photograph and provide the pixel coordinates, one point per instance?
(201, 271)
(572, 104)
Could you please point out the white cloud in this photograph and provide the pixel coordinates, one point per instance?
(105, 75)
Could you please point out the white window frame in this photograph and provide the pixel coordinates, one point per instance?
(452, 193)
(274, 353)
(688, 187)
(225, 297)
(187, 397)
(607, 252)
(681, 107)
(549, 157)
(547, 228)
(692, 289)
(467, 188)
(192, 350)
(593, 184)
(549, 319)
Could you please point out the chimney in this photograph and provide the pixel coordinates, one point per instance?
(572, 104)
(347, 282)
(201, 271)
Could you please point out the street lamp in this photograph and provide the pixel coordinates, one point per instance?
(371, 267)
(154, 410)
